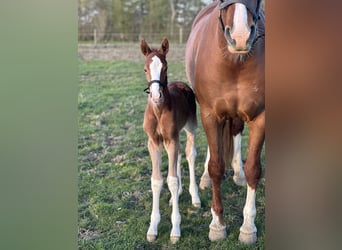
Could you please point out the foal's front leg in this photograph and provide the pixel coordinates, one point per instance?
(172, 148)
(155, 148)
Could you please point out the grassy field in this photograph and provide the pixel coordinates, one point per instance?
(114, 169)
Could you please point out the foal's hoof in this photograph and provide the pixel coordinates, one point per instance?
(174, 239)
(205, 182)
(247, 238)
(215, 234)
(151, 237)
(240, 180)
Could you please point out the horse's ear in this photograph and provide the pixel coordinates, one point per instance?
(145, 49)
(165, 46)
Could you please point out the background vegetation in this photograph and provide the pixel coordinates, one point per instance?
(129, 20)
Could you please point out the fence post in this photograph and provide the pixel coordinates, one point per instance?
(95, 37)
(180, 34)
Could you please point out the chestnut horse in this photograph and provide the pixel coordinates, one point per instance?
(225, 65)
(170, 108)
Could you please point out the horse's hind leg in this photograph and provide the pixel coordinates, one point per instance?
(205, 179)
(253, 171)
(239, 175)
(191, 153)
(155, 149)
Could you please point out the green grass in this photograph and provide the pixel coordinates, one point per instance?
(114, 170)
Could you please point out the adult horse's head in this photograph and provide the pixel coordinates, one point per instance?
(155, 69)
(238, 20)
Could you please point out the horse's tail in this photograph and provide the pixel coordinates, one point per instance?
(227, 143)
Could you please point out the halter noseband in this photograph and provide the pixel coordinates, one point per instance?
(250, 8)
(163, 84)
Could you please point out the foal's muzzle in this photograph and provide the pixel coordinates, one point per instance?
(154, 89)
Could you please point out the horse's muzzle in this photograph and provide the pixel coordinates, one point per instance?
(240, 43)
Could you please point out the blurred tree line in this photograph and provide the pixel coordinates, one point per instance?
(129, 20)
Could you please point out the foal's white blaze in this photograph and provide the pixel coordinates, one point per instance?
(240, 30)
(155, 69)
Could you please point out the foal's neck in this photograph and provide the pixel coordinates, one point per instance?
(158, 109)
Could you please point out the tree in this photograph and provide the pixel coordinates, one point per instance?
(129, 20)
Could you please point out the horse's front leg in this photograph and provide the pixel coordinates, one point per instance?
(155, 148)
(213, 129)
(172, 148)
(248, 229)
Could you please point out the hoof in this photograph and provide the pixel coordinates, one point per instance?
(215, 235)
(240, 180)
(247, 238)
(205, 183)
(151, 237)
(174, 239)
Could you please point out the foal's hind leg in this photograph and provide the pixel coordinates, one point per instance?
(253, 171)
(191, 153)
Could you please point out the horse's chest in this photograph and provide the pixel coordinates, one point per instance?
(233, 101)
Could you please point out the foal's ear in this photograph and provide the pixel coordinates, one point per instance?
(145, 49)
(165, 46)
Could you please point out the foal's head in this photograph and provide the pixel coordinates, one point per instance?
(238, 19)
(156, 69)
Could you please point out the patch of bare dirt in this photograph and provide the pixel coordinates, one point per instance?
(86, 234)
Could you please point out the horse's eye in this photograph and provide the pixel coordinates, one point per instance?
(145, 70)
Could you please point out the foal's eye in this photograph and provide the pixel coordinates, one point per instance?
(145, 70)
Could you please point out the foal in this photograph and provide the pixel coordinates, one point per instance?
(170, 108)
